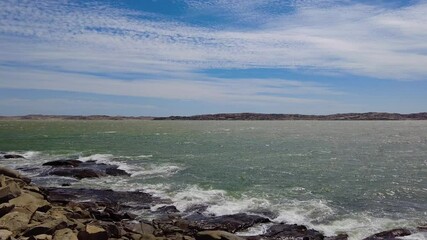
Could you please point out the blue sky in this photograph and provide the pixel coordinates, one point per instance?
(185, 57)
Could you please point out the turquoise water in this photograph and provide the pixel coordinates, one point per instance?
(337, 176)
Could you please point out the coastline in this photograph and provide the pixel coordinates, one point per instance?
(108, 212)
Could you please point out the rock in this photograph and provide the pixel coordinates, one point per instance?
(390, 234)
(341, 236)
(78, 173)
(65, 234)
(167, 209)
(9, 192)
(216, 235)
(29, 203)
(41, 237)
(63, 163)
(114, 171)
(93, 232)
(113, 229)
(229, 223)
(13, 174)
(292, 231)
(15, 221)
(45, 228)
(5, 234)
(422, 228)
(5, 208)
(138, 227)
(12, 156)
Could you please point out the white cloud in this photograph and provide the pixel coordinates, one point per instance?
(358, 39)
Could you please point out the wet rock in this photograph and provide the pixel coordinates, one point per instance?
(77, 173)
(5, 234)
(292, 231)
(5, 208)
(65, 234)
(422, 228)
(216, 235)
(12, 156)
(341, 236)
(80, 170)
(93, 232)
(63, 163)
(102, 197)
(167, 209)
(229, 223)
(390, 234)
(114, 171)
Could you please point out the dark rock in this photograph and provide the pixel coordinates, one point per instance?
(390, 234)
(101, 197)
(422, 228)
(229, 223)
(167, 209)
(65, 234)
(66, 184)
(114, 171)
(63, 163)
(292, 231)
(12, 156)
(9, 192)
(76, 173)
(341, 236)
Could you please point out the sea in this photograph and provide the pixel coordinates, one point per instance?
(357, 177)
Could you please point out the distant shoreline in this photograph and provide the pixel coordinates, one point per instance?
(379, 116)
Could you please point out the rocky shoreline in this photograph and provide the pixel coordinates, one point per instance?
(28, 211)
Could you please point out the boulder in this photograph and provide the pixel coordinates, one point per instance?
(45, 228)
(138, 227)
(63, 163)
(341, 236)
(5, 208)
(41, 237)
(114, 171)
(390, 234)
(13, 174)
(65, 234)
(292, 231)
(217, 235)
(12, 156)
(78, 173)
(29, 203)
(229, 223)
(5, 234)
(15, 221)
(9, 192)
(93, 232)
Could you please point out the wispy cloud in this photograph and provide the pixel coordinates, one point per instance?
(62, 45)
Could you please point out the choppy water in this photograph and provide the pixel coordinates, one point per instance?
(354, 177)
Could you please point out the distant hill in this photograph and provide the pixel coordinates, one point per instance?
(340, 116)
(236, 116)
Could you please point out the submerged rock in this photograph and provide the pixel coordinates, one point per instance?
(12, 156)
(78, 169)
(390, 234)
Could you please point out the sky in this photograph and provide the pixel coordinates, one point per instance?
(186, 57)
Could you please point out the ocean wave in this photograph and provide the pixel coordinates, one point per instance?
(162, 170)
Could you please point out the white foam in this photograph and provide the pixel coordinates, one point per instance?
(154, 170)
(145, 156)
(107, 159)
